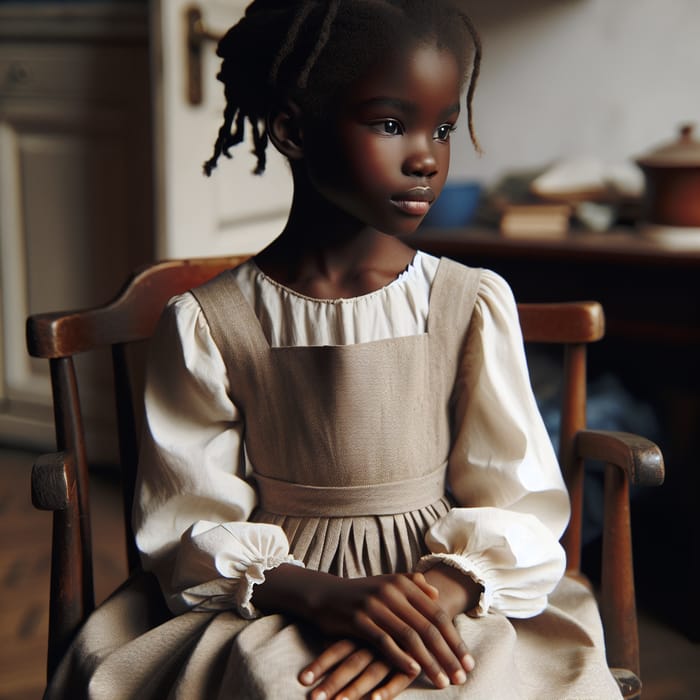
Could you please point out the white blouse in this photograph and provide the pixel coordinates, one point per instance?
(191, 508)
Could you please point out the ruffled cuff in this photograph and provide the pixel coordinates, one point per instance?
(254, 575)
(512, 555)
(218, 564)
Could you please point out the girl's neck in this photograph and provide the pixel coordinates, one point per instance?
(325, 253)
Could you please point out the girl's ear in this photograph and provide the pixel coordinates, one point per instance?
(284, 128)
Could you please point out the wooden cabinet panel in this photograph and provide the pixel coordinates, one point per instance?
(75, 190)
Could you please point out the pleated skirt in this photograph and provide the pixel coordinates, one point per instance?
(131, 647)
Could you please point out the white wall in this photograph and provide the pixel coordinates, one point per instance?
(563, 78)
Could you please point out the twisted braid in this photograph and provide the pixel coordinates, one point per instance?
(323, 37)
(473, 78)
(251, 42)
(290, 41)
(271, 56)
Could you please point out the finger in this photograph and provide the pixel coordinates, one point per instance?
(442, 639)
(455, 658)
(424, 620)
(367, 680)
(399, 642)
(396, 684)
(423, 584)
(344, 675)
(329, 658)
(384, 642)
(419, 626)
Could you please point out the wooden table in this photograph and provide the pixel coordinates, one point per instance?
(650, 291)
(651, 295)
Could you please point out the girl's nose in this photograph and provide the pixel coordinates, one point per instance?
(420, 162)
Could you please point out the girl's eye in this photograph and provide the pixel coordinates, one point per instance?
(392, 127)
(443, 132)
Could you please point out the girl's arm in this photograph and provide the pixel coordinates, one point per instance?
(502, 470)
(192, 501)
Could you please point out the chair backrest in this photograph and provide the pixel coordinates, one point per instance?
(60, 481)
(572, 325)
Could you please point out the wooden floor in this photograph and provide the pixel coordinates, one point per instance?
(670, 663)
(25, 566)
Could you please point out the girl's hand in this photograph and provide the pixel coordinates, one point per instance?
(397, 614)
(353, 672)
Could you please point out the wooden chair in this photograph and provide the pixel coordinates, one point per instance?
(60, 480)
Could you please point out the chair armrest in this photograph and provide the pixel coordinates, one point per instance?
(629, 460)
(55, 488)
(53, 481)
(639, 458)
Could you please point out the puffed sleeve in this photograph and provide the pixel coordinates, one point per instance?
(192, 499)
(512, 505)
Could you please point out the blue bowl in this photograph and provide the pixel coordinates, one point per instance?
(455, 206)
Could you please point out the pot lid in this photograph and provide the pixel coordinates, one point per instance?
(684, 152)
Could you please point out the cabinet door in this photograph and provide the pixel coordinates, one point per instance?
(233, 211)
(75, 193)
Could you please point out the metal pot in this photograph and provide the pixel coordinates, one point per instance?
(672, 176)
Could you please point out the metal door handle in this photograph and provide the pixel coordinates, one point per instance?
(196, 36)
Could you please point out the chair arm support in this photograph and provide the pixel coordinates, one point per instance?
(629, 460)
(52, 481)
(639, 458)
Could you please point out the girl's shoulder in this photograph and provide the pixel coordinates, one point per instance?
(484, 290)
(488, 276)
(490, 284)
(183, 311)
(187, 300)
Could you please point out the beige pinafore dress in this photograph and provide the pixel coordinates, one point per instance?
(348, 444)
(348, 447)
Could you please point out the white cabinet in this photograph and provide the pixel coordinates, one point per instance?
(76, 188)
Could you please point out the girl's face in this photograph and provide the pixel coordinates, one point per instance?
(384, 154)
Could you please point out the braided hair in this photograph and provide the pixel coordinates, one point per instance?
(309, 50)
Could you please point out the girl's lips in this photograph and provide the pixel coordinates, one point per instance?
(412, 206)
(415, 202)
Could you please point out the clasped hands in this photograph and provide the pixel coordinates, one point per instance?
(388, 628)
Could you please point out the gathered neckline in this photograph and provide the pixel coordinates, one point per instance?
(398, 280)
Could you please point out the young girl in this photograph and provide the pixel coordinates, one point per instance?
(345, 487)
